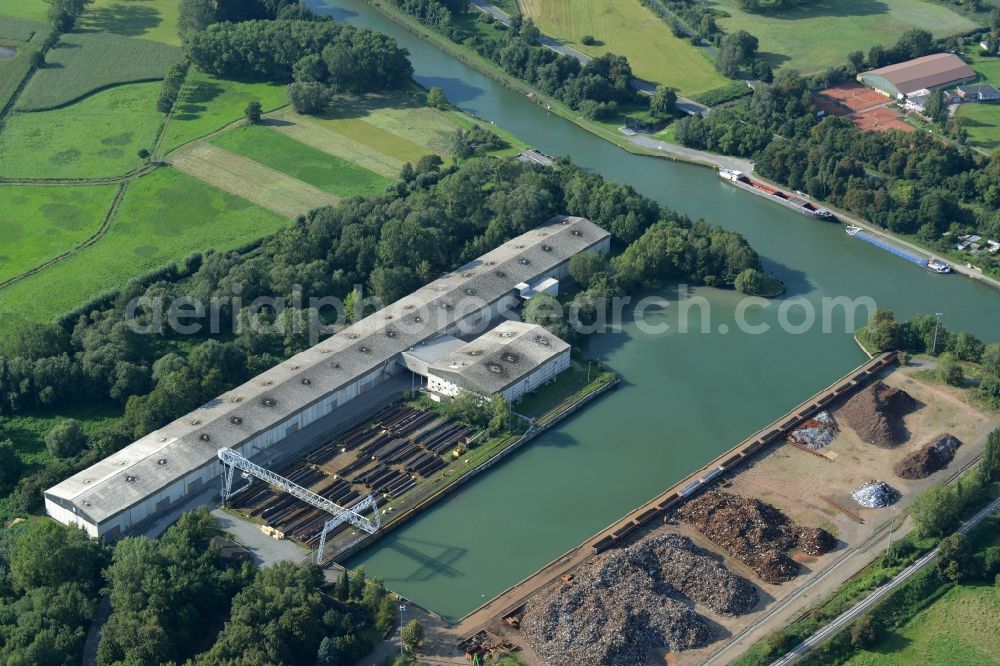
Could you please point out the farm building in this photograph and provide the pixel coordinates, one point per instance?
(156, 473)
(512, 359)
(978, 92)
(929, 72)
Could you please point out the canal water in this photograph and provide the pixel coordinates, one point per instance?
(686, 397)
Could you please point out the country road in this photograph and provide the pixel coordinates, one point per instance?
(688, 106)
(848, 616)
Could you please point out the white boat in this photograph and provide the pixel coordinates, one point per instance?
(852, 229)
(938, 266)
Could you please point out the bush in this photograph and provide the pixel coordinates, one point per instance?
(66, 439)
(588, 40)
(865, 631)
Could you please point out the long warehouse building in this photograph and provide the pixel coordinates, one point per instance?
(169, 465)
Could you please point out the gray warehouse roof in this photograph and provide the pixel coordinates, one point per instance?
(499, 358)
(152, 463)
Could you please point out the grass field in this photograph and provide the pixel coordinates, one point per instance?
(241, 176)
(627, 28)
(83, 62)
(33, 10)
(163, 217)
(39, 223)
(208, 104)
(26, 37)
(983, 120)
(817, 35)
(284, 154)
(146, 19)
(94, 138)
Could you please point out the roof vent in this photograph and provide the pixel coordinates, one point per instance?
(335, 365)
(268, 402)
(491, 263)
(576, 232)
(546, 248)
(294, 367)
(352, 336)
(161, 439)
(542, 340)
(364, 350)
(446, 306)
(470, 291)
(161, 462)
(417, 319)
(500, 274)
(510, 358)
(409, 306)
(523, 261)
(306, 381)
(196, 422)
(87, 482)
(388, 316)
(205, 437)
(325, 351)
(130, 479)
(467, 274)
(390, 333)
(85, 503)
(237, 398)
(441, 288)
(507, 334)
(267, 382)
(475, 352)
(493, 367)
(236, 420)
(519, 247)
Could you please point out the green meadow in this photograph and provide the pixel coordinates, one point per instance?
(40, 223)
(96, 137)
(163, 217)
(155, 20)
(208, 103)
(84, 62)
(298, 160)
(818, 35)
(26, 37)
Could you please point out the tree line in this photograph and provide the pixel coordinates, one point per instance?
(176, 600)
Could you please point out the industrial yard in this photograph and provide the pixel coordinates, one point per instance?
(777, 525)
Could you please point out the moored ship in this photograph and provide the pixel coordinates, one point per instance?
(933, 265)
(793, 201)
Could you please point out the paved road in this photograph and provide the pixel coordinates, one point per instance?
(875, 597)
(686, 105)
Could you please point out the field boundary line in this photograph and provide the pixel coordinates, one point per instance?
(110, 180)
(89, 93)
(96, 236)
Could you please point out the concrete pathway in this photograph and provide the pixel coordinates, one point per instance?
(688, 106)
(691, 154)
(877, 595)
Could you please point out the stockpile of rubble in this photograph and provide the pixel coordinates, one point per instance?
(623, 603)
(815, 433)
(875, 494)
(754, 532)
(929, 458)
(876, 414)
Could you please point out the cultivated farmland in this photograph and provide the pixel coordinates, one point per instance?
(817, 35)
(149, 19)
(627, 28)
(84, 62)
(208, 103)
(94, 138)
(40, 223)
(163, 217)
(284, 154)
(25, 37)
(254, 182)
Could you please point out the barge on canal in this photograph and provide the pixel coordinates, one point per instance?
(932, 264)
(794, 202)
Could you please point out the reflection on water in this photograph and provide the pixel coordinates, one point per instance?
(7, 52)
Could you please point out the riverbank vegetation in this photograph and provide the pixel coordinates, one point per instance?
(912, 184)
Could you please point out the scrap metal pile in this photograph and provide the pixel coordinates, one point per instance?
(876, 414)
(875, 494)
(815, 433)
(929, 458)
(754, 532)
(624, 603)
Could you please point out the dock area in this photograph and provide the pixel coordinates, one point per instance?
(511, 601)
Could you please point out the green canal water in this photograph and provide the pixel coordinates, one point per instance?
(685, 397)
